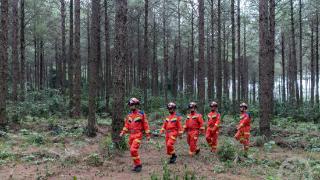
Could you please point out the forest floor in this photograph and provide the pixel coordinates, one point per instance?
(58, 149)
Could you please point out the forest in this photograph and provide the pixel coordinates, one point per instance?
(80, 78)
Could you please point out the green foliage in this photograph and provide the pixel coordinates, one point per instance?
(44, 103)
(269, 146)
(227, 151)
(36, 138)
(94, 160)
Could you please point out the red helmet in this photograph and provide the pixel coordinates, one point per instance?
(192, 105)
(171, 105)
(244, 105)
(133, 101)
(213, 103)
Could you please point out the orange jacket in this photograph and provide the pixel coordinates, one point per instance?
(172, 123)
(213, 121)
(194, 122)
(135, 122)
(245, 120)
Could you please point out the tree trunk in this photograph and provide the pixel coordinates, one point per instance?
(219, 66)
(22, 51)
(155, 84)
(225, 64)
(233, 41)
(165, 54)
(266, 63)
(119, 63)
(174, 76)
(293, 70)
(108, 74)
(15, 57)
(317, 59)
(3, 62)
(312, 65)
(300, 51)
(93, 65)
(77, 63)
(283, 67)
(146, 55)
(70, 60)
(239, 51)
(201, 63)
(63, 44)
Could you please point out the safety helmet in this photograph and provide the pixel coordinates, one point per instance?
(192, 105)
(213, 103)
(244, 105)
(133, 101)
(171, 105)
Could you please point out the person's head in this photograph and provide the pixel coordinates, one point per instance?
(171, 106)
(133, 103)
(213, 106)
(192, 106)
(243, 107)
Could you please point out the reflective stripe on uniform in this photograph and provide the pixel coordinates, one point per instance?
(137, 157)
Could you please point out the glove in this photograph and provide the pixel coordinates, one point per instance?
(121, 134)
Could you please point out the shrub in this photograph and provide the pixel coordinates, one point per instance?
(227, 151)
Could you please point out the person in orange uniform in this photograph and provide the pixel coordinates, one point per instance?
(243, 133)
(173, 128)
(193, 127)
(135, 123)
(213, 127)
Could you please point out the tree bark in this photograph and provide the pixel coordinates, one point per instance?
(70, 60)
(77, 63)
(108, 63)
(15, 57)
(219, 64)
(233, 54)
(93, 65)
(201, 63)
(3, 62)
(146, 55)
(63, 44)
(119, 63)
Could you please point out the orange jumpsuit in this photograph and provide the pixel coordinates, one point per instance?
(172, 126)
(213, 130)
(243, 134)
(193, 126)
(135, 123)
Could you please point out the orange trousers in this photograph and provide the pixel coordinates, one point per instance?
(171, 137)
(134, 143)
(192, 141)
(212, 138)
(243, 137)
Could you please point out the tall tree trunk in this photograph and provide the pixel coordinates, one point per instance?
(225, 64)
(293, 84)
(3, 62)
(108, 63)
(266, 63)
(15, 57)
(22, 51)
(63, 44)
(88, 43)
(93, 65)
(165, 54)
(146, 55)
(70, 60)
(180, 61)
(300, 51)
(317, 58)
(233, 41)
(155, 84)
(239, 51)
(201, 63)
(244, 86)
(283, 67)
(118, 65)
(77, 62)
(211, 67)
(174, 71)
(312, 65)
(219, 66)
(41, 65)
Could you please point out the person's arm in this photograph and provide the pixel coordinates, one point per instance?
(217, 124)
(146, 126)
(201, 124)
(125, 128)
(164, 126)
(179, 124)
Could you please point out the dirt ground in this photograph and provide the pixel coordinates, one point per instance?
(119, 166)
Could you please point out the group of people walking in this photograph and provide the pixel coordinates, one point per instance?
(136, 123)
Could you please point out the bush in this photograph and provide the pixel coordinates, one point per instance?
(227, 151)
(94, 160)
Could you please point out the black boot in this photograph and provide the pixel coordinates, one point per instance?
(173, 159)
(197, 151)
(137, 168)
